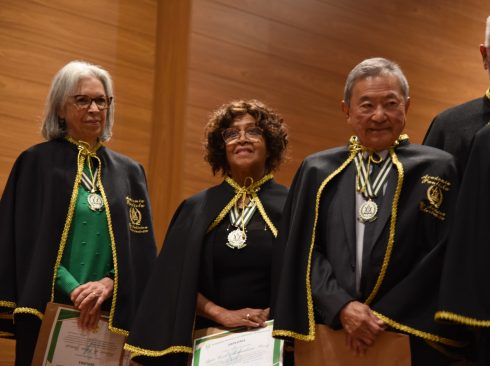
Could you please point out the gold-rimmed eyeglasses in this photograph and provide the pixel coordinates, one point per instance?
(231, 135)
(84, 102)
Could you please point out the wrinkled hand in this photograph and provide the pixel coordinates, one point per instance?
(88, 298)
(361, 325)
(248, 317)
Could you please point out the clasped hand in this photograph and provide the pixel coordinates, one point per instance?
(88, 299)
(362, 327)
(248, 317)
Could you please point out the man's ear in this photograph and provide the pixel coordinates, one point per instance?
(345, 108)
(483, 52)
(407, 105)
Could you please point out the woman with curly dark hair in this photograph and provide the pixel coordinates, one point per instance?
(216, 264)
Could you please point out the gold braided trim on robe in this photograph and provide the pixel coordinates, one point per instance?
(26, 310)
(81, 159)
(391, 238)
(7, 304)
(240, 191)
(309, 298)
(462, 319)
(354, 149)
(138, 351)
(419, 333)
(84, 154)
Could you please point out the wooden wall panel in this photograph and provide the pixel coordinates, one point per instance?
(38, 37)
(295, 56)
(168, 133)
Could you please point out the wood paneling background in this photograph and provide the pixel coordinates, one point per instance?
(295, 56)
(38, 37)
(174, 61)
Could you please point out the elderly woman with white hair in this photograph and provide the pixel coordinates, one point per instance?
(75, 220)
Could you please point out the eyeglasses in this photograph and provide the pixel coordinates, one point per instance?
(84, 102)
(230, 135)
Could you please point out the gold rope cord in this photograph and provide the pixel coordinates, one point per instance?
(239, 192)
(84, 152)
(309, 299)
(386, 260)
(69, 218)
(391, 239)
(8, 304)
(138, 351)
(418, 333)
(354, 149)
(26, 310)
(447, 315)
(112, 328)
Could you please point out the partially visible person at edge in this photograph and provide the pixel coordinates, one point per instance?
(75, 220)
(465, 294)
(453, 129)
(363, 251)
(217, 260)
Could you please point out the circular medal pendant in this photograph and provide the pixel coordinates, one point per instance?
(368, 211)
(95, 202)
(237, 239)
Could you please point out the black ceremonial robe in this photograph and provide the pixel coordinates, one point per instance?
(162, 331)
(465, 291)
(33, 211)
(401, 270)
(453, 129)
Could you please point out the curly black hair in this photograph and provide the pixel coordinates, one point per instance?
(272, 124)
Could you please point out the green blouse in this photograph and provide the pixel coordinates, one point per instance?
(87, 255)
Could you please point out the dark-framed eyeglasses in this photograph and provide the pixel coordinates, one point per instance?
(232, 134)
(84, 102)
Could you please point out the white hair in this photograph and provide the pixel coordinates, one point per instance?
(487, 33)
(371, 67)
(63, 85)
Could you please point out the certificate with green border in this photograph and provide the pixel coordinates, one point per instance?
(239, 347)
(62, 342)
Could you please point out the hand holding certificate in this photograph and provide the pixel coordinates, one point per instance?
(62, 342)
(239, 347)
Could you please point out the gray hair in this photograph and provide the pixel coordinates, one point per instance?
(487, 33)
(371, 67)
(63, 85)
